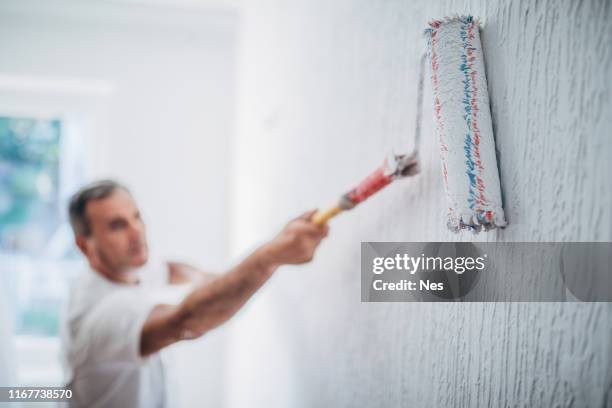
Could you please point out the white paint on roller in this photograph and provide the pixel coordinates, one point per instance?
(464, 127)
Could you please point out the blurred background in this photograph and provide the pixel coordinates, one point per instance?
(226, 118)
(143, 92)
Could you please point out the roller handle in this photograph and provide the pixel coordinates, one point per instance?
(321, 217)
(368, 186)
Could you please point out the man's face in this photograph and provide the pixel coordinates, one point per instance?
(117, 241)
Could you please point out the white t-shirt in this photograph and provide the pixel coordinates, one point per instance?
(101, 341)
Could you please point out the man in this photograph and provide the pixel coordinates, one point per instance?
(116, 323)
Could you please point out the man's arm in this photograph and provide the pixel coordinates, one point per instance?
(211, 304)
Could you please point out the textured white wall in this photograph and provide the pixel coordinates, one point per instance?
(326, 89)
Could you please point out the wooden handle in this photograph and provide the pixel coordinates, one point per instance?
(321, 217)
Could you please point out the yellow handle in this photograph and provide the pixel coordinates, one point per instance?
(321, 217)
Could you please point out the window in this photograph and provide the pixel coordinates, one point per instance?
(37, 256)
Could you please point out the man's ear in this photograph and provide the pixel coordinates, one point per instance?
(81, 242)
(87, 247)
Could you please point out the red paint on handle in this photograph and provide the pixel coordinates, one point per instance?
(370, 185)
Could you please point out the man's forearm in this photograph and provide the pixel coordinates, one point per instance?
(211, 304)
(208, 305)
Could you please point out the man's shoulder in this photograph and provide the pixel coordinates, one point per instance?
(93, 296)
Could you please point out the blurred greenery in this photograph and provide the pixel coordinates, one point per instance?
(40, 320)
(29, 177)
(29, 208)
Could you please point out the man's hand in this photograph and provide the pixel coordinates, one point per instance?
(297, 242)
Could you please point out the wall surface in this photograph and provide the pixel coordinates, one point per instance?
(326, 89)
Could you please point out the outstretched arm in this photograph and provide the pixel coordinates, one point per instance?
(211, 304)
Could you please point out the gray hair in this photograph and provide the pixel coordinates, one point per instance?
(78, 203)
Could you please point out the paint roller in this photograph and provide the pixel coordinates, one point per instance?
(464, 129)
(463, 124)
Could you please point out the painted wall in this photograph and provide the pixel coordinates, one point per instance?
(326, 89)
